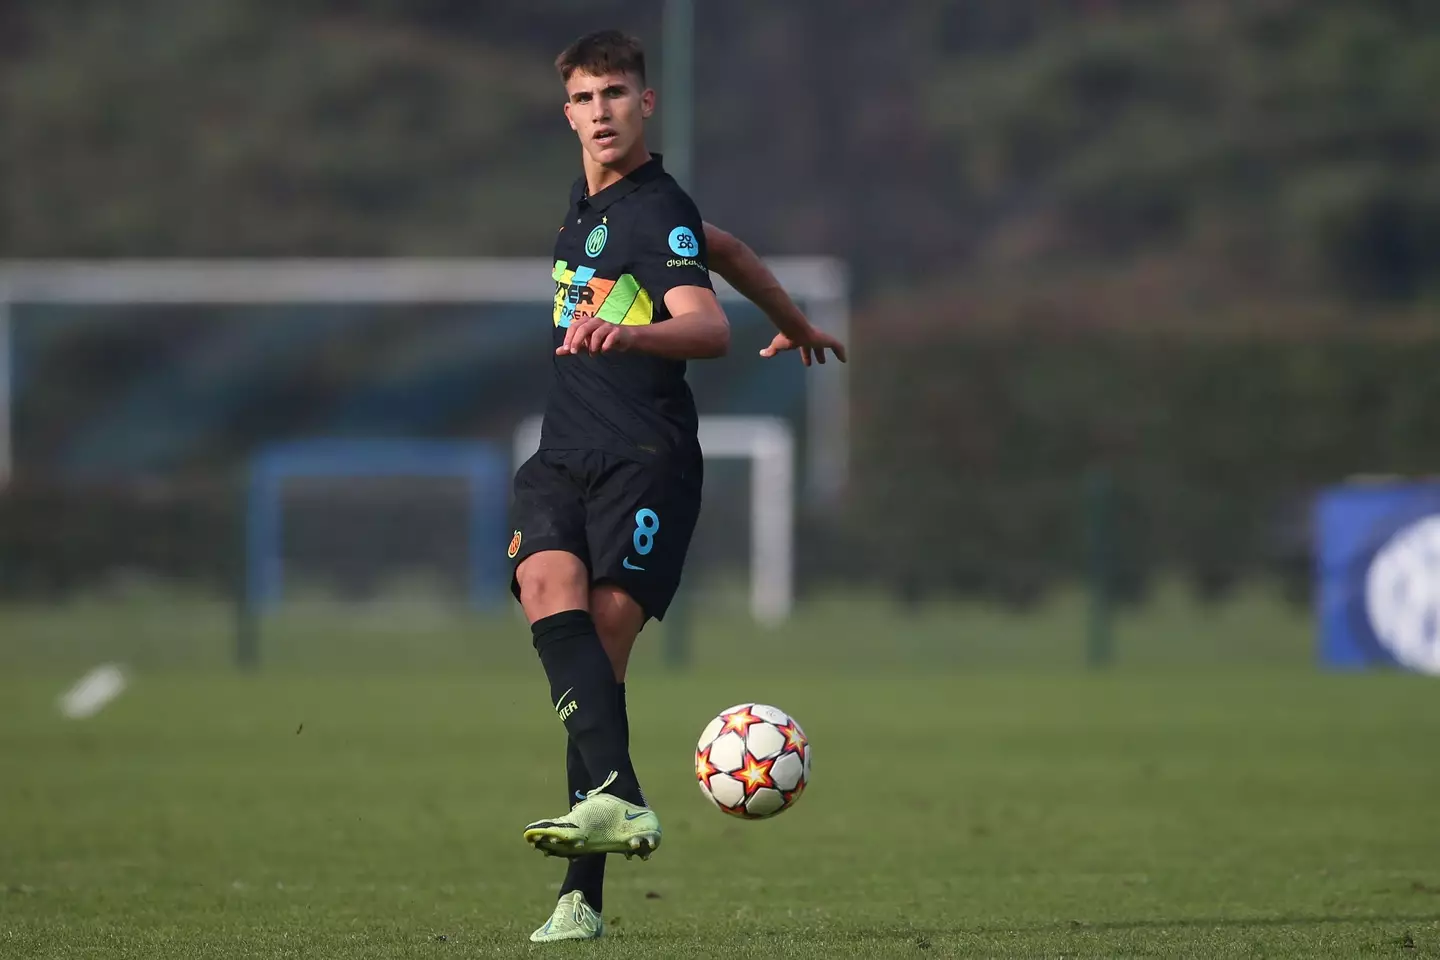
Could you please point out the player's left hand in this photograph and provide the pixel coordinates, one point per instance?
(813, 342)
(594, 335)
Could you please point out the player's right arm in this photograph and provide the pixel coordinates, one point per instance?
(697, 330)
(733, 259)
(670, 262)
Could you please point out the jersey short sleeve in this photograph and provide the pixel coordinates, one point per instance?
(669, 246)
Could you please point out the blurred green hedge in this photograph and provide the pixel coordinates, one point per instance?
(972, 452)
(974, 449)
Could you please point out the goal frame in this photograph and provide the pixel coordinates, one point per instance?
(820, 283)
(769, 444)
(479, 464)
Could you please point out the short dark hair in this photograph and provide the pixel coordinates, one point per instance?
(602, 52)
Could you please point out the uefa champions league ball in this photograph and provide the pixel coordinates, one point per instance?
(752, 761)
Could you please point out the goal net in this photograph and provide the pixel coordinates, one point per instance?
(765, 446)
(140, 401)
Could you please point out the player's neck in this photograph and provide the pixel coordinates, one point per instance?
(598, 176)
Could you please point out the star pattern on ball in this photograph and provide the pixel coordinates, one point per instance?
(704, 769)
(739, 721)
(794, 739)
(755, 774)
(757, 761)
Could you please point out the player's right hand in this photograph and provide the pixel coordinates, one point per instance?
(578, 334)
(593, 335)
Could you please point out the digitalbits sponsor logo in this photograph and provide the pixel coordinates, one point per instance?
(1402, 595)
(683, 242)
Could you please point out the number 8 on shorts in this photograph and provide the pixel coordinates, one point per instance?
(647, 524)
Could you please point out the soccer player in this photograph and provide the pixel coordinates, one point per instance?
(603, 512)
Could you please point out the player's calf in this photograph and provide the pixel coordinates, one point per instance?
(586, 697)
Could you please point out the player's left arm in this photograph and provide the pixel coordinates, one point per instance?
(733, 259)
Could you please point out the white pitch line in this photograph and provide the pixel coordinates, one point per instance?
(93, 691)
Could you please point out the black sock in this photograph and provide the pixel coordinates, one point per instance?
(584, 693)
(625, 729)
(587, 873)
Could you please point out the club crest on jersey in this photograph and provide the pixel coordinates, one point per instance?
(514, 544)
(596, 241)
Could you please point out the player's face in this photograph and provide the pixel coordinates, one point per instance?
(608, 113)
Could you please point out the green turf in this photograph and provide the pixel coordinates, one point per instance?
(153, 628)
(1269, 811)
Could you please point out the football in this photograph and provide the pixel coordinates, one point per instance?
(752, 761)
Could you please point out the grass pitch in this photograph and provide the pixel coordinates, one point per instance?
(1263, 811)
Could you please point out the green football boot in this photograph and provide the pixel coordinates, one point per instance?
(572, 920)
(600, 823)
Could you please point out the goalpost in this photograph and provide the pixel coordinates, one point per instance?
(821, 284)
(807, 457)
(769, 444)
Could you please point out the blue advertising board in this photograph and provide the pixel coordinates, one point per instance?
(1377, 550)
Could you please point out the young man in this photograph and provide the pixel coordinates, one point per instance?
(603, 512)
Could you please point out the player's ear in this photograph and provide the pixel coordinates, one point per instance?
(647, 103)
(568, 118)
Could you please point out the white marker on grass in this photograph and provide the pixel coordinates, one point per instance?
(93, 691)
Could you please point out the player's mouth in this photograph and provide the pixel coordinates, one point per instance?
(605, 136)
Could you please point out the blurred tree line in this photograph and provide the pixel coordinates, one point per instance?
(1194, 241)
(1235, 147)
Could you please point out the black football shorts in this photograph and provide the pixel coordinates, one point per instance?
(629, 521)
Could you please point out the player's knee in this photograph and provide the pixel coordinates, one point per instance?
(610, 625)
(552, 582)
(618, 618)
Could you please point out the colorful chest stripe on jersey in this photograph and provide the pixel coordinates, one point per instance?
(580, 292)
